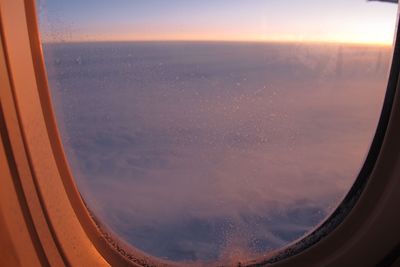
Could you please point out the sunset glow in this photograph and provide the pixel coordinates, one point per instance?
(358, 22)
(377, 39)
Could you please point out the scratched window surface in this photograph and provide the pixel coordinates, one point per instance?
(215, 131)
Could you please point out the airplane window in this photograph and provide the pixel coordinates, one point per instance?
(215, 131)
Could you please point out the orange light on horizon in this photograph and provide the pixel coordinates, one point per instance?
(354, 32)
(355, 22)
(376, 35)
(375, 40)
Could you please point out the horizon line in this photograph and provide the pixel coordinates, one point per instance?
(326, 42)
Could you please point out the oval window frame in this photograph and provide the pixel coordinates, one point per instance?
(69, 234)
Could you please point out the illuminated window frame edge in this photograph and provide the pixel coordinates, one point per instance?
(12, 190)
(41, 203)
(379, 182)
(103, 239)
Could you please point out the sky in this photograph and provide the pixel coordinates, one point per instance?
(348, 21)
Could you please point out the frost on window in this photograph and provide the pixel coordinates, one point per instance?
(215, 131)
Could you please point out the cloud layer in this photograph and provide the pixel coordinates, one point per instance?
(207, 151)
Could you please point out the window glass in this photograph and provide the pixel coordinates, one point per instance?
(215, 131)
